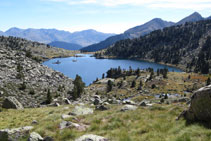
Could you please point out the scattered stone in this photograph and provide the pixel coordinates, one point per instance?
(66, 116)
(130, 102)
(35, 137)
(128, 108)
(12, 103)
(68, 124)
(90, 137)
(67, 101)
(56, 104)
(184, 99)
(200, 109)
(64, 124)
(96, 97)
(14, 134)
(106, 103)
(101, 107)
(81, 110)
(34, 122)
(143, 103)
(97, 101)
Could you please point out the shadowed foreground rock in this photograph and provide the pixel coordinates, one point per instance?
(12, 103)
(200, 107)
(14, 134)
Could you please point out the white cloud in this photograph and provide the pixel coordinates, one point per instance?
(182, 4)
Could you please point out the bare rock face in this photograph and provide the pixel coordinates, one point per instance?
(12, 103)
(200, 107)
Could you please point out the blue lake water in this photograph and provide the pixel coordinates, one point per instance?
(90, 68)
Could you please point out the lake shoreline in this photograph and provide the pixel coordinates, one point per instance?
(146, 60)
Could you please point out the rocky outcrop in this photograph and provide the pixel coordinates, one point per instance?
(12, 103)
(200, 107)
(14, 134)
(81, 110)
(90, 137)
(23, 77)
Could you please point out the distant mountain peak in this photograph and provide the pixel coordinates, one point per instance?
(191, 18)
(196, 14)
(154, 24)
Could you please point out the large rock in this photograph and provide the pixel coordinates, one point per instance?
(128, 108)
(101, 107)
(81, 110)
(200, 107)
(14, 134)
(12, 103)
(68, 124)
(35, 137)
(90, 137)
(130, 102)
(66, 116)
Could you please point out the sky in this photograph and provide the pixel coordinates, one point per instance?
(109, 16)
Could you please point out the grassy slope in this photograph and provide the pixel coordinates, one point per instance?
(156, 123)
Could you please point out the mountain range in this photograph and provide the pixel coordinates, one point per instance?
(142, 30)
(82, 38)
(65, 45)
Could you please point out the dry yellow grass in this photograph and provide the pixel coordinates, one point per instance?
(155, 123)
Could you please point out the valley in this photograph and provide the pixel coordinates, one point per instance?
(150, 83)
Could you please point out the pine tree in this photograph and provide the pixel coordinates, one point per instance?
(208, 81)
(49, 97)
(133, 84)
(78, 87)
(109, 85)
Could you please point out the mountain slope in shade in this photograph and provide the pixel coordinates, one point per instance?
(83, 38)
(192, 18)
(65, 45)
(106, 43)
(187, 46)
(209, 18)
(135, 32)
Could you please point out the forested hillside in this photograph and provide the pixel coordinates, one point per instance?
(187, 46)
